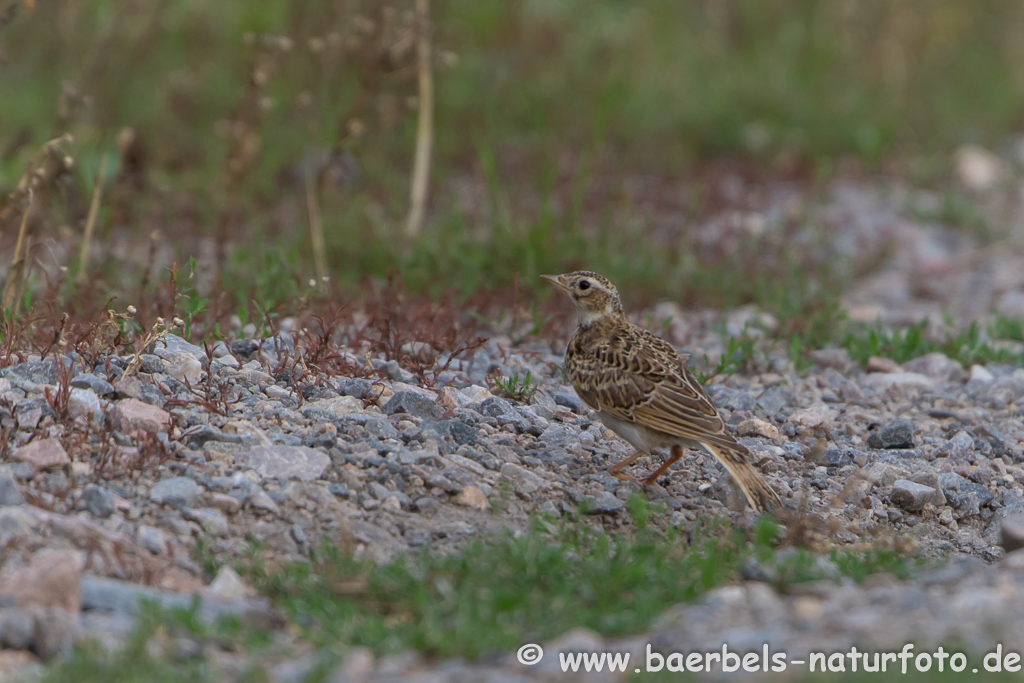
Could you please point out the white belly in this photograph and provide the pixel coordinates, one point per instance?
(638, 437)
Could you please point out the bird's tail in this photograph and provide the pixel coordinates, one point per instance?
(760, 496)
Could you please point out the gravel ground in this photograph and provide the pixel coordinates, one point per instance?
(927, 451)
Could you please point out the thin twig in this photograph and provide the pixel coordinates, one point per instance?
(316, 227)
(90, 222)
(425, 127)
(14, 275)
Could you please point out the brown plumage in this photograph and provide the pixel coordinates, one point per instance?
(641, 389)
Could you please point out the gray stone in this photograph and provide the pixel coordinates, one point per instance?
(131, 415)
(110, 595)
(959, 448)
(244, 348)
(213, 521)
(606, 502)
(380, 428)
(201, 434)
(966, 496)
(285, 462)
(980, 375)
(171, 345)
(414, 404)
(176, 492)
(38, 372)
(394, 371)
(522, 479)
(339, 406)
(17, 629)
(558, 435)
(462, 433)
(935, 365)
(382, 493)
(407, 457)
(356, 387)
(31, 412)
(10, 494)
(55, 633)
(1013, 503)
(555, 456)
(152, 539)
(881, 381)
(152, 363)
(1011, 532)
(95, 383)
(261, 502)
(835, 457)
(570, 401)
(427, 504)
(833, 357)
(84, 403)
(176, 526)
(548, 508)
(503, 413)
(98, 502)
(42, 454)
(442, 482)
(772, 401)
(931, 479)
(495, 406)
(912, 496)
(14, 523)
(898, 433)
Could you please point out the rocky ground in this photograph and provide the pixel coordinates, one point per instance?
(116, 469)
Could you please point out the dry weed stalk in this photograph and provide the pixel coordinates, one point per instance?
(49, 163)
(90, 222)
(15, 275)
(101, 338)
(242, 130)
(158, 331)
(425, 125)
(316, 228)
(46, 166)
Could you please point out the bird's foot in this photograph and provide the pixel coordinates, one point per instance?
(624, 476)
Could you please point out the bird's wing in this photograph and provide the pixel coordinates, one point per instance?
(638, 377)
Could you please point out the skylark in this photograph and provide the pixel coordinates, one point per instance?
(641, 389)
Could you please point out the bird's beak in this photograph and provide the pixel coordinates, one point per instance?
(556, 280)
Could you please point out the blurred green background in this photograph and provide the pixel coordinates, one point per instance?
(567, 132)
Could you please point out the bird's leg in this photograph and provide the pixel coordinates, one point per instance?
(677, 453)
(624, 476)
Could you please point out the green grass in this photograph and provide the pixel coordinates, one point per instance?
(167, 646)
(516, 387)
(1001, 342)
(549, 108)
(959, 211)
(485, 599)
(495, 594)
(664, 80)
(973, 345)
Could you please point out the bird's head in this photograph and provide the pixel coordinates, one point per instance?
(593, 295)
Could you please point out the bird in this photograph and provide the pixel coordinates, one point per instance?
(641, 389)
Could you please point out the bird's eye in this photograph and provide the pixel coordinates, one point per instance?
(584, 284)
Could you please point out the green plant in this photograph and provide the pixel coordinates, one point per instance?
(1007, 328)
(517, 388)
(495, 592)
(898, 345)
(967, 346)
(740, 353)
